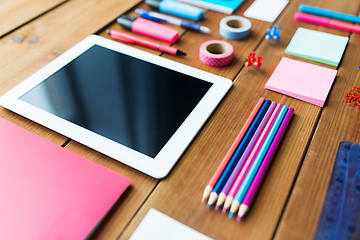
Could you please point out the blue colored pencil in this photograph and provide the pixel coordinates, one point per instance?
(235, 158)
(257, 162)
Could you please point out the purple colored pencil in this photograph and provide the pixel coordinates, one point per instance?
(263, 167)
(234, 174)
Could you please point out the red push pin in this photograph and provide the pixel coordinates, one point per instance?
(248, 62)
(253, 59)
(258, 62)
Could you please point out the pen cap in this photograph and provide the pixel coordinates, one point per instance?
(153, 3)
(177, 8)
(154, 30)
(126, 21)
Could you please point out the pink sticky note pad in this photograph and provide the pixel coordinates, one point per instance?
(49, 192)
(305, 81)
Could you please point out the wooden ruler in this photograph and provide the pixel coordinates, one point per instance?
(340, 217)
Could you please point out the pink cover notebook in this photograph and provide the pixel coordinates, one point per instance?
(48, 192)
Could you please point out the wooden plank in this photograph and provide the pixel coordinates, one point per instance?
(179, 195)
(46, 38)
(17, 12)
(339, 122)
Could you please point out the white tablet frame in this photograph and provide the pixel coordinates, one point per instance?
(163, 162)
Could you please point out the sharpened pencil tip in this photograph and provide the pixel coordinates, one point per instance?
(238, 218)
(217, 207)
(178, 52)
(208, 206)
(224, 210)
(231, 214)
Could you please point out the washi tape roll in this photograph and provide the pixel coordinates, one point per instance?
(216, 53)
(235, 27)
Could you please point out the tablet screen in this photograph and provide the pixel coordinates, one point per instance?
(132, 102)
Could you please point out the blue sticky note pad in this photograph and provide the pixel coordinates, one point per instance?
(317, 46)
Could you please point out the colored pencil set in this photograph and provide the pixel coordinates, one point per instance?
(238, 177)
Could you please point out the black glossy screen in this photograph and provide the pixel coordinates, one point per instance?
(130, 101)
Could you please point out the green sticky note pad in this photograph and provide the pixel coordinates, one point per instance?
(317, 46)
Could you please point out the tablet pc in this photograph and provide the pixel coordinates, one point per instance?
(136, 107)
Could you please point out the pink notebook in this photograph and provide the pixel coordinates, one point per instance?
(48, 192)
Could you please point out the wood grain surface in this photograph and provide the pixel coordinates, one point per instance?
(15, 13)
(288, 205)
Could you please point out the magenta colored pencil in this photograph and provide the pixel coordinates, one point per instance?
(244, 156)
(263, 167)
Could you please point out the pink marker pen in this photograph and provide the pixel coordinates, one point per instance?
(149, 28)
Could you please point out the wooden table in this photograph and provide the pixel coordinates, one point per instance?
(289, 203)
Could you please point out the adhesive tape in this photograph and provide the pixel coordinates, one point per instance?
(235, 27)
(216, 53)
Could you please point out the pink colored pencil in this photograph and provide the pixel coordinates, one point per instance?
(231, 151)
(236, 185)
(263, 167)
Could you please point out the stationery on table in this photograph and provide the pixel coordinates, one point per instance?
(158, 17)
(158, 226)
(340, 216)
(237, 154)
(240, 178)
(326, 22)
(304, 81)
(231, 151)
(254, 187)
(266, 10)
(317, 46)
(49, 192)
(244, 187)
(265, 131)
(244, 156)
(132, 39)
(224, 6)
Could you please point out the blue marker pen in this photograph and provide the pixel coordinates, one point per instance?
(158, 17)
(328, 13)
(176, 8)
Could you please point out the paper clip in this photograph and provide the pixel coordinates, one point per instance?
(353, 96)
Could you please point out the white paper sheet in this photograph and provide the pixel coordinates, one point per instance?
(266, 10)
(158, 226)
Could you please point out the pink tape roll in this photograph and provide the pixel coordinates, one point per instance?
(216, 53)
